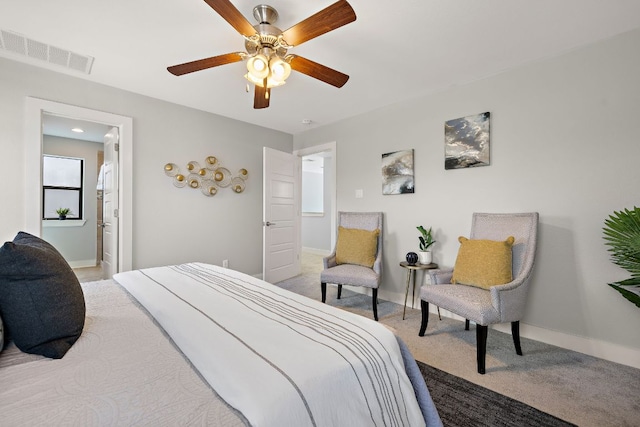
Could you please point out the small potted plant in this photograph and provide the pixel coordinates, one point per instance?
(63, 212)
(426, 241)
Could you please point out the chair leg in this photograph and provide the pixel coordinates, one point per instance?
(339, 291)
(481, 342)
(466, 324)
(424, 307)
(323, 288)
(515, 332)
(375, 303)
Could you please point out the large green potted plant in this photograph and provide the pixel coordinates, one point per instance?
(426, 241)
(622, 233)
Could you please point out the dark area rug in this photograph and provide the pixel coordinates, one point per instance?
(463, 403)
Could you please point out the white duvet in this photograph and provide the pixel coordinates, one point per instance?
(279, 358)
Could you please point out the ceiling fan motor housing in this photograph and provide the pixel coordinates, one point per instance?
(265, 14)
(268, 35)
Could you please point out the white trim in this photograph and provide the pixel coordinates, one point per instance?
(596, 348)
(35, 107)
(53, 223)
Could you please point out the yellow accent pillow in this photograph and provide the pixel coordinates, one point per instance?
(357, 246)
(483, 263)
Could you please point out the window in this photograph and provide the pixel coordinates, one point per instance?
(62, 186)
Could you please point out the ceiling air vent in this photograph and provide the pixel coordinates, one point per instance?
(18, 44)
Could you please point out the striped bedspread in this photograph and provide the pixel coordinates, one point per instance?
(279, 358)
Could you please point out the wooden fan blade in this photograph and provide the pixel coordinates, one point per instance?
(335, 16)
(262, 96)
(318, 71)
(233, 16)
(203, 64)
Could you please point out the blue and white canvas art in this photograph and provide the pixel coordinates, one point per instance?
(466, 142)
(397, 172)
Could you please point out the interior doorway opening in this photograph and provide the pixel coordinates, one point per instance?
(36, 111)
(78, 237)
(318, 229)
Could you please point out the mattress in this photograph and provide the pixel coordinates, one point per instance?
(126, 369)
(123, 370)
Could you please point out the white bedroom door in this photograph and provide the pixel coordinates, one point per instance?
(110, 205)
(280, 215)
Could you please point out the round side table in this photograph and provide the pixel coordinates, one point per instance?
(411, 272)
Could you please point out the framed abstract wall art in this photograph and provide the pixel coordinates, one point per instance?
(397, 172)
(466, 142)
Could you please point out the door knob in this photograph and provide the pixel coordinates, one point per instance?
(269, 223)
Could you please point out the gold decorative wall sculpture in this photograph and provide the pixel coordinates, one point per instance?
(209, 178)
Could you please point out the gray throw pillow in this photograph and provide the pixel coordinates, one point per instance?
(1, 335)
(41, 300)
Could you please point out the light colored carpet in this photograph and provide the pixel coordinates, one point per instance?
(578, 388)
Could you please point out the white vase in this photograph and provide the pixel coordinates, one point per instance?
(425, 257)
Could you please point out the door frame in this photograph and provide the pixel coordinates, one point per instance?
(35, 108)
(331, 147)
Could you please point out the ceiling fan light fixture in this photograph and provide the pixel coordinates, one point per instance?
(251, 78)
(260, 82)
(257, 66)
(274, 83)
(275, 73)
(280, 69)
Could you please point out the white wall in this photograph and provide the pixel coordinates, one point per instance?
(170, 225)
(564, 142)
(316, 230)
(78, 244)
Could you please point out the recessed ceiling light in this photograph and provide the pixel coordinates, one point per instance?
(77, 130)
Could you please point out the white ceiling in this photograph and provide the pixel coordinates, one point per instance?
(61, 126)
(393, 51)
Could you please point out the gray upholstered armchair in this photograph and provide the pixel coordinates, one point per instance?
(347, 273)
(500, 303)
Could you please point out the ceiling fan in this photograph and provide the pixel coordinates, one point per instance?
(268, 63)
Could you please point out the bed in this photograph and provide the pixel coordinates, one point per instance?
(197, 344)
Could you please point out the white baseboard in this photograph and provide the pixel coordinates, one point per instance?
(589, 346)
(83, 263)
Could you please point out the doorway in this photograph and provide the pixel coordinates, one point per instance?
(318, 229)
(66, 140)
(36, 110)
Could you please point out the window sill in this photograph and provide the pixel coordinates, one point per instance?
(316, 214)
(51, 223)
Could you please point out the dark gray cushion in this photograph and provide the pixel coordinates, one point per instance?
(1, 335)
(41, 300)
